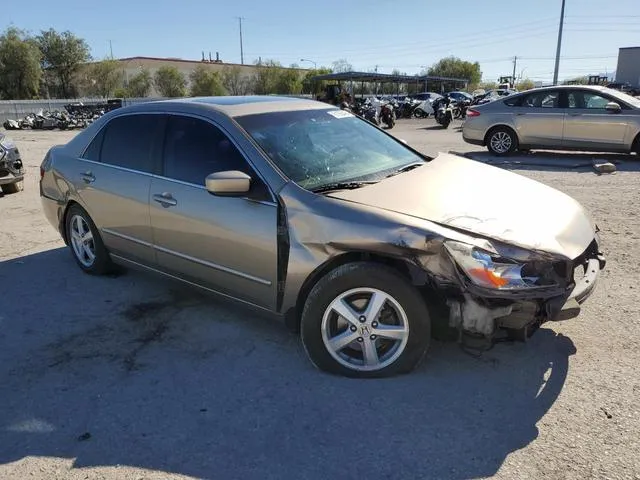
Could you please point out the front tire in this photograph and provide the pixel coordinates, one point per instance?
(502, 141)
(365, 320)
(85, 242)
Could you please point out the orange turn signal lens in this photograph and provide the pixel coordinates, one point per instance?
(485, 277)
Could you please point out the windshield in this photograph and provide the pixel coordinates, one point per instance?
(625, 97)
(315, 148)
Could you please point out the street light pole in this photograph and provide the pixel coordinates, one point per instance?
(315, 65)
(555, 72)
(241, 51)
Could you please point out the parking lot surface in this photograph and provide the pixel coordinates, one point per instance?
(134, 377)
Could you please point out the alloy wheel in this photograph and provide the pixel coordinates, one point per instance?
(501, 142)
(365, 329)
(82, 241)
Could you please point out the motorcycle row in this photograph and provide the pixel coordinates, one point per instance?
(74, 116)
(384, 112)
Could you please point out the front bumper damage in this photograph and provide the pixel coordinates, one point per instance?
(483, 317)
(11, 168)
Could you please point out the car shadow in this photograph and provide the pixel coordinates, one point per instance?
(542, 160)
(132, 370)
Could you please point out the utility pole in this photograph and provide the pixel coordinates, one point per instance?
(111, 49)
(241, 51)
(513, 77)
(555, 71)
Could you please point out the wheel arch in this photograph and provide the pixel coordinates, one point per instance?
(63, 219)
(410, 272)
(491, 129)
(635, 145)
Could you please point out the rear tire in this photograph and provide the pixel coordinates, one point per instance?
(369, 350)
(13, 187)
(85, 242)
(502, 141)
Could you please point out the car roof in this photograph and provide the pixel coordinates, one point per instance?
(236, 106)
(597, 88)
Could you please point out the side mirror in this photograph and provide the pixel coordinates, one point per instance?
(612, 107)
(229, 183)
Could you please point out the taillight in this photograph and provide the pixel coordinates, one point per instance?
(472, 113)
(41, 172)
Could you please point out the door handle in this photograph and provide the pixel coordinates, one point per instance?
(88, 177)
(165, 199)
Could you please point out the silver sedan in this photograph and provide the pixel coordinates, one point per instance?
(563, 117)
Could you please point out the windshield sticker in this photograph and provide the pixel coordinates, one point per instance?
(340, 113)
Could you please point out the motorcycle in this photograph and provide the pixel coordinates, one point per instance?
(423, 109)
(388, 115)
(443, 111)
(407, 108)
(370, 113)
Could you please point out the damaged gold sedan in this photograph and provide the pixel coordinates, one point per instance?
(354, 239)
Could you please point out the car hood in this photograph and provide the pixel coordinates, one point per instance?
(485, 200)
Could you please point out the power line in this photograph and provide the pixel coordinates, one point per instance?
(460, 39)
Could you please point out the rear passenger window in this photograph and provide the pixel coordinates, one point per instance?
(129, 142)
(543, 99)
(93, 150)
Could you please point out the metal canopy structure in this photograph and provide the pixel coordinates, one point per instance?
(381, 78)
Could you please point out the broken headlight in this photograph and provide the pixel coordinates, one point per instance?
(489, 270)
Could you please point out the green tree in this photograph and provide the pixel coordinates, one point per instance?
(205, 82)
(266, 77)
(525, 84)
(63, 54)
(20, 70)
(121, 92)
(170, 82)
(456, 68)
(341, 66)
(104, 77)
(288, 81)
(140, 84)
(234, 82)
(314, 87)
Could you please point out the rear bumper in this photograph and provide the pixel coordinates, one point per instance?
(53, 211)
(472, 135)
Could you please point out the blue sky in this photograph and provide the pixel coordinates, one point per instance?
(403, 34)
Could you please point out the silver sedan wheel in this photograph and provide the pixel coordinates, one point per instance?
(82, 241)
(501, 142)
(365, 329)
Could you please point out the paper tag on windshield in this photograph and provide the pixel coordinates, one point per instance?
(340, 113)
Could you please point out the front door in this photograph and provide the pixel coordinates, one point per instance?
(113, 181)
(228, 244)
(539, 120)
(589, 125)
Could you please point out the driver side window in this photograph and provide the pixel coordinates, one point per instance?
(194, 148)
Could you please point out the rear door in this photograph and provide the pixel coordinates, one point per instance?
(589, 125)
(113, 180)
(228, 244)
(539, 119)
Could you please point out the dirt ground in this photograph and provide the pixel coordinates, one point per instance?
(132, 377)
